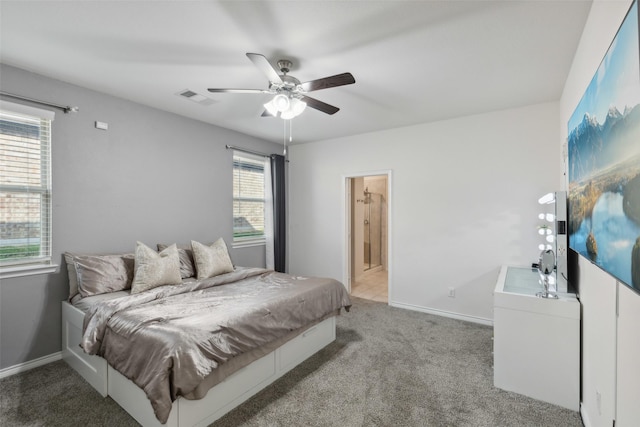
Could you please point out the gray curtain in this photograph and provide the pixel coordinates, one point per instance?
(279, 212)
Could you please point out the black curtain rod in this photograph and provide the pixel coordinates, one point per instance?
(244, 150)
(257, 153)
(65, 108)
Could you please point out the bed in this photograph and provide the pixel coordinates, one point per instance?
(185, 354)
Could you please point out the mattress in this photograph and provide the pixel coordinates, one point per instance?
(180, 340)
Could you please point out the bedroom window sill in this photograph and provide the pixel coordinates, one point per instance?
(247, 243)
(27, 270)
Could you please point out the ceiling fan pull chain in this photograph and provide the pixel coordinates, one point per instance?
(284, 123)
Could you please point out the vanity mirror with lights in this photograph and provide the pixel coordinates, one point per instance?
(553, 232)
(536, 321)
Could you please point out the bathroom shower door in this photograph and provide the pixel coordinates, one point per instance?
(368, 235)
(373, 230)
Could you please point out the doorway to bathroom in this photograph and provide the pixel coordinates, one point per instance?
(368, 242)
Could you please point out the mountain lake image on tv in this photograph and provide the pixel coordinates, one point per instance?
(604, 161)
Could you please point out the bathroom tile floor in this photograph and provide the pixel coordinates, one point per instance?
(373, 286)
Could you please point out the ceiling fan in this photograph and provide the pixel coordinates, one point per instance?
(290, 95)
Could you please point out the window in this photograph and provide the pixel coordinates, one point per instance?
(25, 188)
(248, 199)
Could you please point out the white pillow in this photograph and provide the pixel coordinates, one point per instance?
(154, 269)
(211, 260)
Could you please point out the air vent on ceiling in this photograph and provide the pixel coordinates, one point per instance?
(196, 97)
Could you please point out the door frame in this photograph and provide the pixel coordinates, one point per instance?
(346, 222)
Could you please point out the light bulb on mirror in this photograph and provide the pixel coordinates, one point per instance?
(547, 199)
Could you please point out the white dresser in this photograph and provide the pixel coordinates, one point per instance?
(536, 347)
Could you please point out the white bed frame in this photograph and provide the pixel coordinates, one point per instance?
(221, 399)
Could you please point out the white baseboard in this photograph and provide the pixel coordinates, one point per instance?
(22, 367)
(443, 313)
(584, 416)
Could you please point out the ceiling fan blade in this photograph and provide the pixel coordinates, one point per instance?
(266, 113)
(327, 82)
(263, 65)
(214, 90)
(319, 105)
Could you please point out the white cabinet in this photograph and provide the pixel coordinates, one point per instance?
(536, 347)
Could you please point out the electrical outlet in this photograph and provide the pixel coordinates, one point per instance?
(452, 293)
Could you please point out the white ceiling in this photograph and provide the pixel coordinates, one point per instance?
(413, 61)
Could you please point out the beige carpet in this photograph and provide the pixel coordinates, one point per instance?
(387, 367)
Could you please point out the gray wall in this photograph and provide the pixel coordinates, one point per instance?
(153, 176)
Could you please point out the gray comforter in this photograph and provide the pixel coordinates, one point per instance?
(169, 339)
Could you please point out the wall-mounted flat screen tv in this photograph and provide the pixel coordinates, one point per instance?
(604, 161)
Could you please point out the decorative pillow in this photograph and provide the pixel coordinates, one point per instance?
(154, 269)
(98, 274)
(187, 268)
(71, 271)
(211, 260)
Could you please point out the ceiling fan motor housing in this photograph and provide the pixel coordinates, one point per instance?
(290, 83)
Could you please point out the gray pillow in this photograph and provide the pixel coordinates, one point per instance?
(187, 268)
(153, 269)
(211, 260)
(98, 274)
(102, 274)
(71, 272)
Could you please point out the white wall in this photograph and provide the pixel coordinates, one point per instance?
(463, 202)
(611, 348)
(627, 357)
(598, 299)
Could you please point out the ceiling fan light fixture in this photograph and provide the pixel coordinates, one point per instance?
(296, 108)
(284, 106)
(287, 115)
(271, 108)
(281, 102)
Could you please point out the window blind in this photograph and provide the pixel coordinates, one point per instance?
(25, 185)
(248, 197)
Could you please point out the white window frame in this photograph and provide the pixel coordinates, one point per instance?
(246, 241)
(41, 264)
